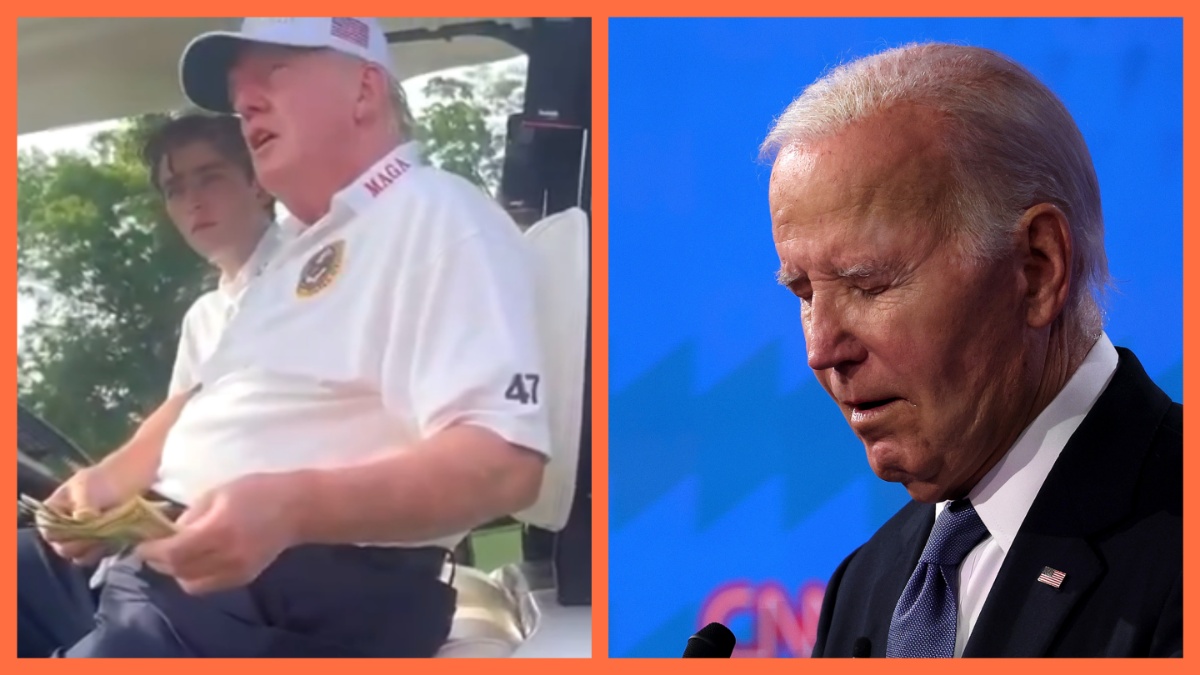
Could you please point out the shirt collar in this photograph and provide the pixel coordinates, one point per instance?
(255, 264)
(379, 178)
(1003, 498)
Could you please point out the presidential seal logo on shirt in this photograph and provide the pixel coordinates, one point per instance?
(321, 269)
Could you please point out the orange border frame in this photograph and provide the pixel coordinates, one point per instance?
(600, 11)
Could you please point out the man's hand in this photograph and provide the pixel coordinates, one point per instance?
(92, 491)
(230, 535)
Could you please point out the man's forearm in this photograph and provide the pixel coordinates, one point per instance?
(133, 468)
(452, 482)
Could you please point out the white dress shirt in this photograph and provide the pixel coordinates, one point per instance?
(1003, 498)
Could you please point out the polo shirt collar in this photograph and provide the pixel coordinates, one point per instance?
(254, 265)
(368, 186)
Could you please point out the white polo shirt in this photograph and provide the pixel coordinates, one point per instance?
(206, 319)
(407, 309)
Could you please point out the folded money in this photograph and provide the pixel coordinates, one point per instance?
(129, 524)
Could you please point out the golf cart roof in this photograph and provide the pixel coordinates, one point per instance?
(80, 70)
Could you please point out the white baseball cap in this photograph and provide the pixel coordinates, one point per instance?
(206, 61)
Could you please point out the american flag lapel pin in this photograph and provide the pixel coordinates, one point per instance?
(1052, 577)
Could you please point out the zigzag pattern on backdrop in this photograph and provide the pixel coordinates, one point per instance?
(662, 567)
(733, 437)
(738, 482)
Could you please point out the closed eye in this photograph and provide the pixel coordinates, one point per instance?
(870, 291)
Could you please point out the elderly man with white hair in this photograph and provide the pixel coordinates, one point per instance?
(373, 398)
(936, 212)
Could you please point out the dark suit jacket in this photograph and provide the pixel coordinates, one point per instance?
(1110, 515)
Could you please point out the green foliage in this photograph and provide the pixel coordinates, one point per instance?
(112, 278)
(463, 127)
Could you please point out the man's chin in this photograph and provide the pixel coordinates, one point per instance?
(272, 172)
(921, 490)
(887, 460)
(926, 493)
(918, 490)
(888, 464)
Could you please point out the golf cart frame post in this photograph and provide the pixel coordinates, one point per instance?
(547, 169)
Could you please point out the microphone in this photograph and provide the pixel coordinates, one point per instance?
(714, 641)
(861, 649)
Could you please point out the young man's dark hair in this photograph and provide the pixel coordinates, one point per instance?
(222, 132)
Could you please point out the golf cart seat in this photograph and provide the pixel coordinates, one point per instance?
(499, 613)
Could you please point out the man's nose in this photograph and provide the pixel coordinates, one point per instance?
(247, 99)
(828, 336)
(195, 203)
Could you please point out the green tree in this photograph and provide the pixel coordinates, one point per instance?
(463, 127)
(112, 279)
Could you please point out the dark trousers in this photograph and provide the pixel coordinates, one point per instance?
(314, 601)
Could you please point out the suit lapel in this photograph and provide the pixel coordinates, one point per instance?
(1022, 615)
(1088, 489)
(895, 573)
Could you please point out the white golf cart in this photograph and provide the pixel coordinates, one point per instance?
(77, 70)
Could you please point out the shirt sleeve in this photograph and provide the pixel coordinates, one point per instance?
(463, 345)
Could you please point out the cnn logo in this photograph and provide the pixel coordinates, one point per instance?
(782, 625)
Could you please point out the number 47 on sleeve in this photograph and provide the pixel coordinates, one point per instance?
(523, 388)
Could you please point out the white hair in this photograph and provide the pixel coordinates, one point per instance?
(405, 124)
(403, 121)
(1010, 141)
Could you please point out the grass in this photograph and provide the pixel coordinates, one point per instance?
(496, 547)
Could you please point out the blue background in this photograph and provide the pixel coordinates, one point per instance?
(728, 463)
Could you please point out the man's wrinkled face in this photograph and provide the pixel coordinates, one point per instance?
(297, 109)
(919, 346)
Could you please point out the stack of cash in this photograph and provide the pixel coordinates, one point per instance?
(132, 523)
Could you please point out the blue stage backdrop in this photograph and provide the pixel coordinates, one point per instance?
(736, 486)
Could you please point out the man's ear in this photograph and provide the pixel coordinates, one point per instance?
(374, 92)
(1044, 237)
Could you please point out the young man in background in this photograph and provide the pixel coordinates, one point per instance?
(201, 166)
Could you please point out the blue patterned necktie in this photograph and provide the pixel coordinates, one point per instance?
(925, 622)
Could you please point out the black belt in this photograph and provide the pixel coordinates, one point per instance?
(424, 561)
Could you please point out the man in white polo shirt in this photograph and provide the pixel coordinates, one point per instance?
(375, 397)
(201, 166)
